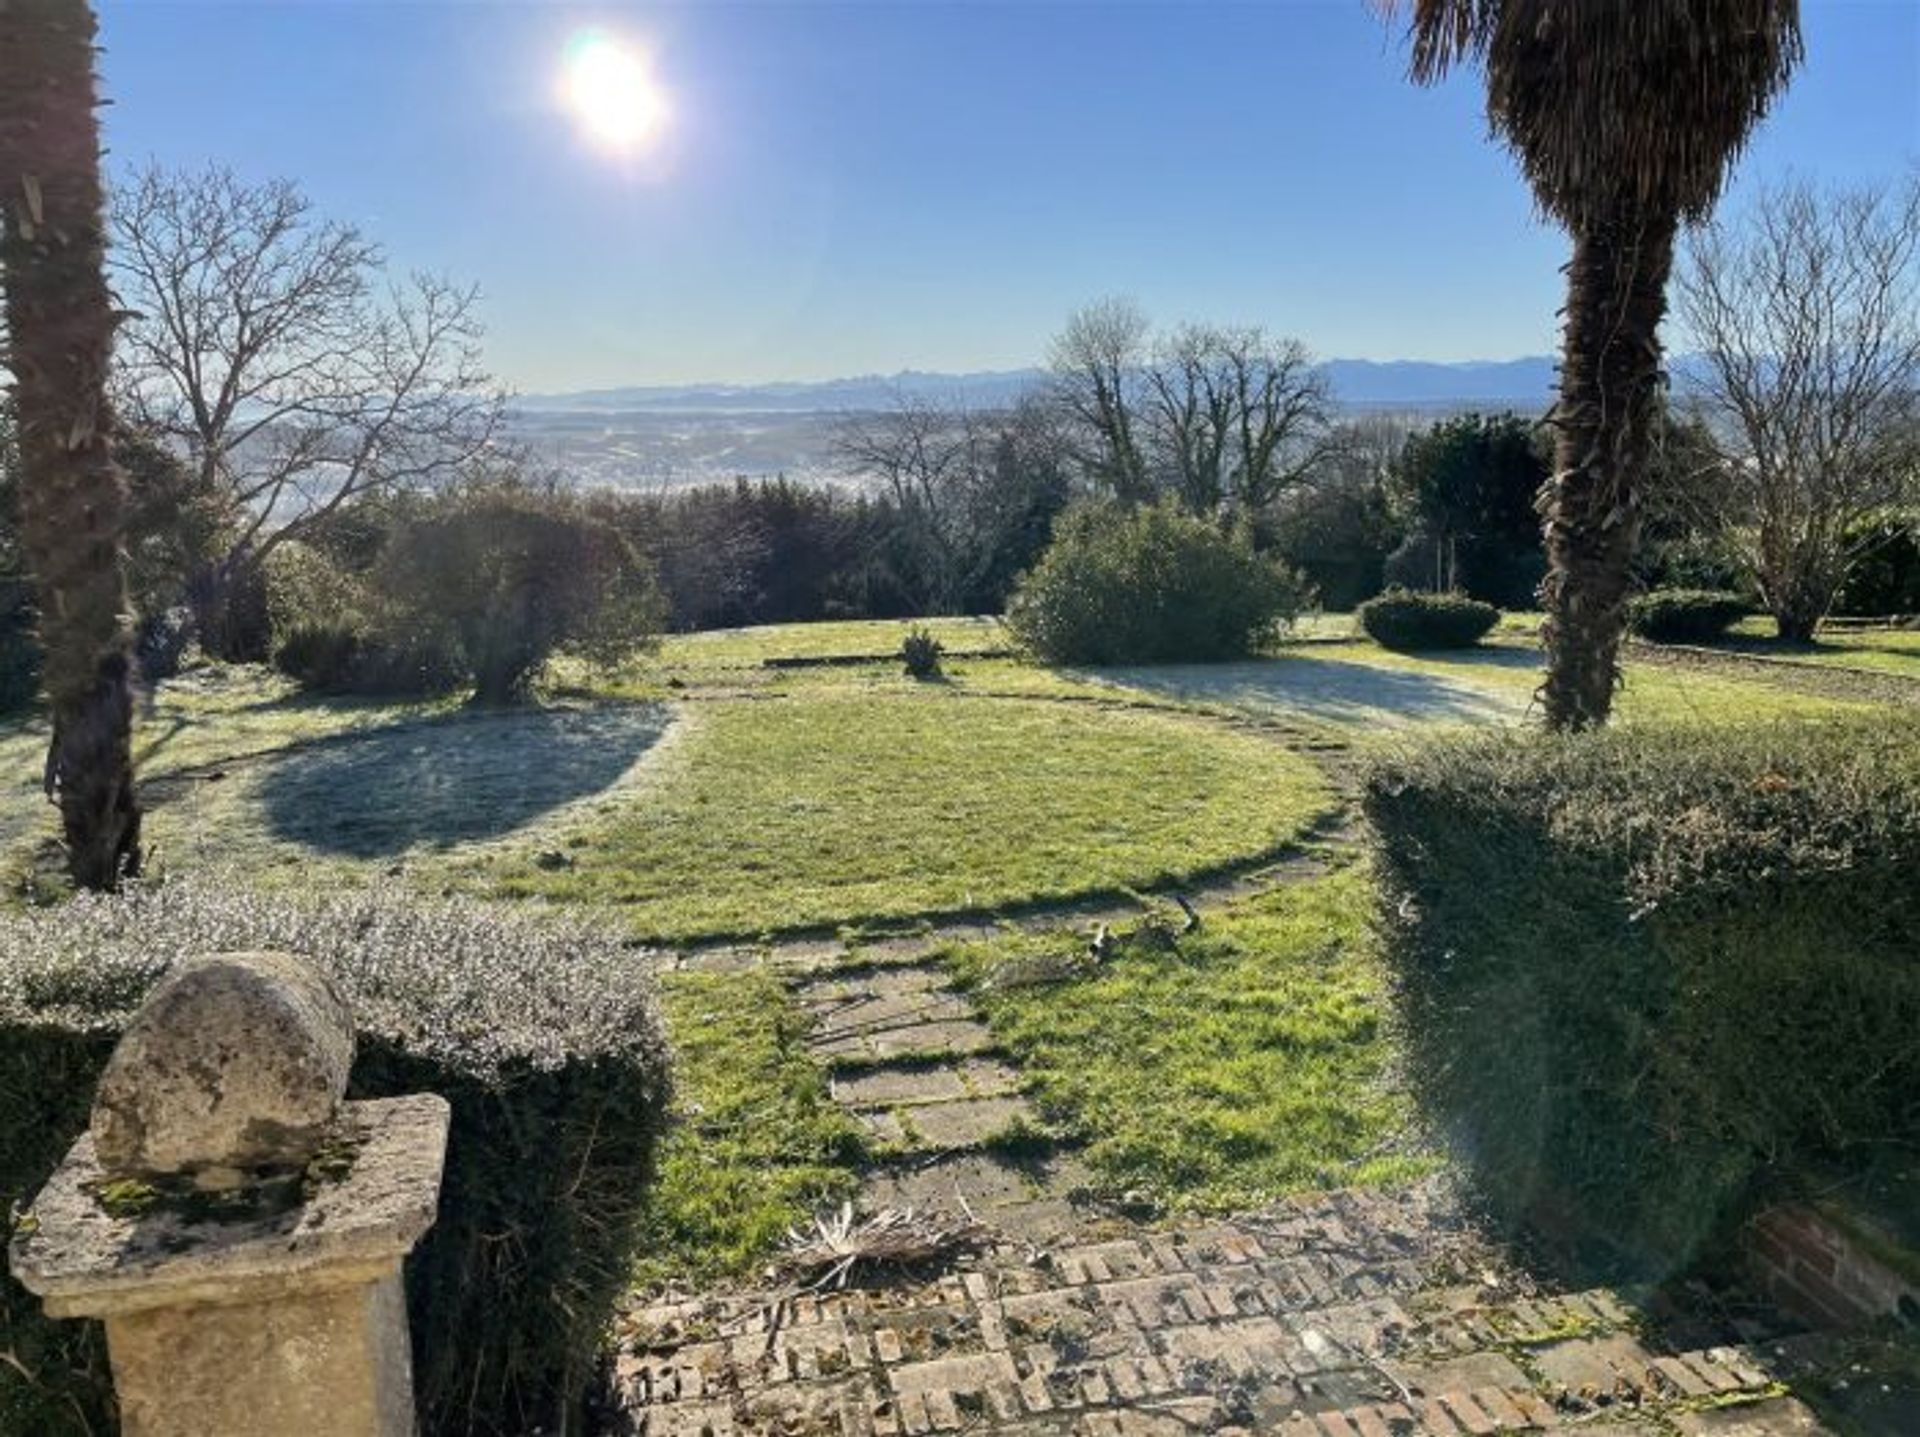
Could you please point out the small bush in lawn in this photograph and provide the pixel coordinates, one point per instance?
(1411, 620)
(1685, 616)
(1646, 976)
(1150, 584)
(920, 651)
(543, 1036)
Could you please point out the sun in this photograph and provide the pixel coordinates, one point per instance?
(610, 90)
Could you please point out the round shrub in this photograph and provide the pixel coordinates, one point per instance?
(1149, 585)
(1685, 616)
(1410, 620)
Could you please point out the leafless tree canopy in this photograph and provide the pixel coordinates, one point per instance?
(1225, 418)
(1807, 311)
(1236, 416)
(1096, 363)
(273, 348)
(959, 479)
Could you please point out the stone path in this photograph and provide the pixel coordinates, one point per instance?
(1342, 1315)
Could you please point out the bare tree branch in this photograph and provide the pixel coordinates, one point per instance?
(1807, 313)
(270, 347)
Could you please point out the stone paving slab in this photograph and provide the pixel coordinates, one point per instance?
(948, 1126)
(957, 1037)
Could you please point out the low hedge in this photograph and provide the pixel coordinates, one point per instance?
(1647, 976)
(1685, 616)
(342, 657)
(542, 1034)
(1411, 620)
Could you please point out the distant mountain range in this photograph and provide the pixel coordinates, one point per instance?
(1525, 383)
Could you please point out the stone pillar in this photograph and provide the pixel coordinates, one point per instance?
(238, 1226)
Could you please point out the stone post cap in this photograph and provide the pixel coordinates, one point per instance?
(235, 1065)
(96, 1246)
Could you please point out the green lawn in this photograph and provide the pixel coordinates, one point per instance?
(1219, 1069)
(758, 1147)
(836, 806)
(1869, 650)
(833, 639)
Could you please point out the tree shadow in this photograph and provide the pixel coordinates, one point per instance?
(1336, 691)
(450, 781)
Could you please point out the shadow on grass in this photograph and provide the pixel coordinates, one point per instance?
(451, 781)
(1338, 692)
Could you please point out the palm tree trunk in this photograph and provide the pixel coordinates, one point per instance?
(73, 498)
(1609, 390)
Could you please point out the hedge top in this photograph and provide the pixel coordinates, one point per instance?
(481, 990)
(1695, 814)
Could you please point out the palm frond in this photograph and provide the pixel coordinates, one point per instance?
(1616, 107)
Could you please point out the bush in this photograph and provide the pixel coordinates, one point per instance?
(1409, 620)
(1149, 585)
(920, 651)
(1885, 575)
(541, 1034)
(1644, 976)
(343, 658)
(505, 576)
(1685, 616)
(306, 588)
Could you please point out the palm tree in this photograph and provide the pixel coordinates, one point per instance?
(1625, 116)
(60, 325)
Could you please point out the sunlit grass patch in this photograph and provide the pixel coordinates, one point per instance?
(830, 639)
(1653, 693)
(760, 1145)
(1217, 1069)
(837, 806)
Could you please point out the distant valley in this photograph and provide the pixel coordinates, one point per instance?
(671, 435)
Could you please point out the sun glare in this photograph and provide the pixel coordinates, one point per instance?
(610, 90)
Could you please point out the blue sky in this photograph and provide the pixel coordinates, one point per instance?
(846, 189)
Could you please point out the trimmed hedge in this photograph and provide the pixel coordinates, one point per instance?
(1647, 976)
(1411, 620)
(1149, 585)
(543, 1036)
(1685, 616)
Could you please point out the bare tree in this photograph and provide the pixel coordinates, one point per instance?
(1236, 416)
(925, 457)
(271, 346)
(975, 490)
(1096, 363)
(1807, 314)
(1224, 417)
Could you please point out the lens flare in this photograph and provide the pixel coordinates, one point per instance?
(610, 90)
